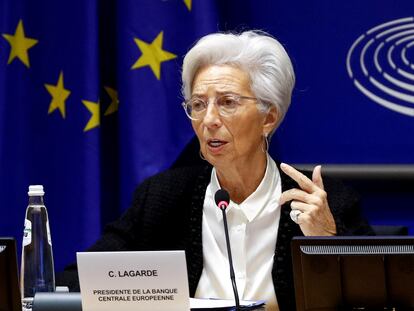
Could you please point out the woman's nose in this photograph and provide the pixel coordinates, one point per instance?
(212, 117)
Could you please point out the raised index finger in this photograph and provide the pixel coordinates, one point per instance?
(304, 182)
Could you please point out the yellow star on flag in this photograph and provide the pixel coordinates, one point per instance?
(113, 106)
(19, 45)
(152, 55)
(188, 4)
(59, 95)
(94, 121)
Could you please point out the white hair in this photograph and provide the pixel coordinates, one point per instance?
(261, 56)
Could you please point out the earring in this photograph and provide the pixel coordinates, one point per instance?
(201, 155)
(265, 143)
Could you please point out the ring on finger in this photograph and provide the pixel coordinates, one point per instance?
(294, 215)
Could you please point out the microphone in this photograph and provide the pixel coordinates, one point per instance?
(222, 199)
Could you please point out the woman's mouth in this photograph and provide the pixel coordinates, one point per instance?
(215, 145)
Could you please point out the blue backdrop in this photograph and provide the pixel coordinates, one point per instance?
(90, 96)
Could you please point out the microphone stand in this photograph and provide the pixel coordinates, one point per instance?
(232, 277)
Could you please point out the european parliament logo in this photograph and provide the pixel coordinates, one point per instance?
(381, 64)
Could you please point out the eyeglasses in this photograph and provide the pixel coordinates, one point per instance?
(227, 104)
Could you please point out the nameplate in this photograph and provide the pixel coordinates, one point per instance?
(133, 281)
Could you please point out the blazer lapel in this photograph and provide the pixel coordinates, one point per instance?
(195, 244)
(282, 273)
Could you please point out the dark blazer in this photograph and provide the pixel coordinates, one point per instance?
(167, 212)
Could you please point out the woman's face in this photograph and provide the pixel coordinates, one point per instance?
(235, 139)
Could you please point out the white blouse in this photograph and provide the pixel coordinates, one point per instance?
(253, 227)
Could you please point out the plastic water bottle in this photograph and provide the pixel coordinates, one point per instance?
(37, 271)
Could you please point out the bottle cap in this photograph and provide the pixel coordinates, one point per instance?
(35, 190)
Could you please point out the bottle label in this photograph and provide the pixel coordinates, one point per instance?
(49, 239)
(27, 304)
(27, 233)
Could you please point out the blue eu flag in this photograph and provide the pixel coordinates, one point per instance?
(89, 106)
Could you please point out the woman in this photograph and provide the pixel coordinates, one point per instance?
(237, 90)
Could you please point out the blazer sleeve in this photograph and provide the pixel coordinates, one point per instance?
(158, 219)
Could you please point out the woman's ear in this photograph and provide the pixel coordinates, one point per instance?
(270, 121)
